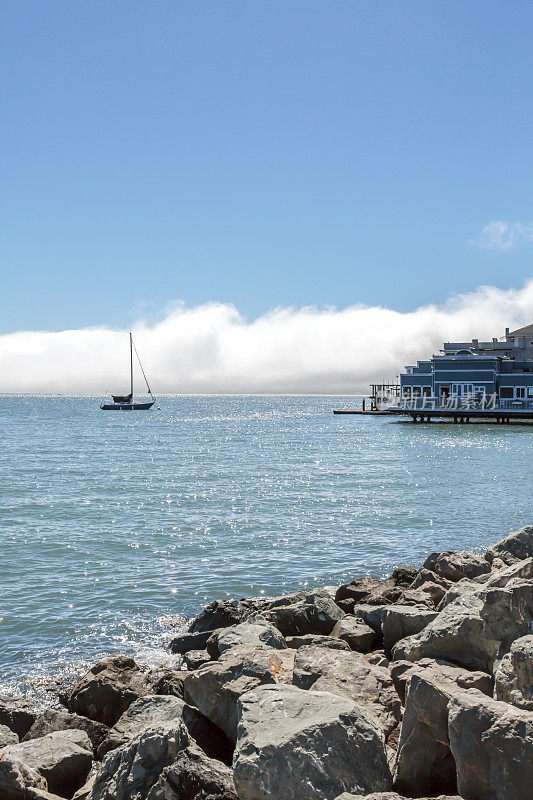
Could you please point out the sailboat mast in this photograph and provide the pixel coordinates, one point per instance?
(131, 366)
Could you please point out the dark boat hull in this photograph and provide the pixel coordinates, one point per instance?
(127, 406)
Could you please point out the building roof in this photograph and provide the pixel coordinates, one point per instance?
(527, 331)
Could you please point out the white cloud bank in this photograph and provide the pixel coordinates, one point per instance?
(212, 349)
(500, 235)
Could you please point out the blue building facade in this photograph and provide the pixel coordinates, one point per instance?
(496, 374)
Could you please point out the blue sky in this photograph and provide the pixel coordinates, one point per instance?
(260, 153)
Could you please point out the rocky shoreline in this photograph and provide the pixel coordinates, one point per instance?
(417, 686)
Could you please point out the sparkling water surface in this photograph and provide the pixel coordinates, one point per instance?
(114, 523)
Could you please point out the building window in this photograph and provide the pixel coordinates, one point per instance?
(426, 391)
(416, 391)
(406, 391)
(530, 391)
(506, 392)
(521, 392)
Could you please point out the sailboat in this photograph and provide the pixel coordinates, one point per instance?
(124, 402)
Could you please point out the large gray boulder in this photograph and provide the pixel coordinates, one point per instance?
(369, 590)
(507, 612)
(196, 658)
(316, 612)
(256, 633)
(306, 745)
(295, 642)
(194, 776)
(456, 634)
(401, 621)
(513, 677)
(147, 712)
(372, 615)
(515, 547)
(16, 714)
(424, 763)
(7, 736)
(510, 574)
(63, 758)
(185, 642)
(17, 779)
(130, 771)
(52, 720)
(153, 711)
(349, 674)
(215, 688)
(492, 745)
(391, 796)
(165, 680)
(356, 633)
(108, 689)
(454, 565)
(402, 671)
(223, 613)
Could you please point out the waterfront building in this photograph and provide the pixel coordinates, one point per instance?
(483, 375)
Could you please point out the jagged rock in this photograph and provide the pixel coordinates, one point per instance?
(258, 633)
(155, 710)
(223, 613)
(7, 736)
(507, 612)
(216, 687)
(378, 658)
(509, 574)
(414, 597)
(84, 792)
(346, 605)
(515, 547)
(424, 763)
(401, 621)
(17, 779)
(51, 720)
(185, 642)
(432, 584)
(391, 796)
(360, 589)
(434, 590)
(63, 758)
(194, 776)
(130, 771)
(403, 576)
(196, 658)
(492, 744)
(16, 714)
(349, 674)
(456, 634)
(305, 744)
(294, 642)
(402, 671)
(460, 589)
(316, 612)
(212, 644)
(454, 565)
(108, 689)
(372, 615)
(513, 678)
(165, 680)
(427, 575)
(356, 633)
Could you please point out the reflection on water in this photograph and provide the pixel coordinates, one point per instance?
(110, 522)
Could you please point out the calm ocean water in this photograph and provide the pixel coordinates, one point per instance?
(111, 523)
